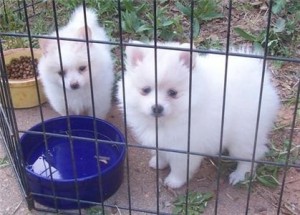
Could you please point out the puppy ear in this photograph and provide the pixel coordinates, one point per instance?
(81, 33)
(185, 56)
(134, 54)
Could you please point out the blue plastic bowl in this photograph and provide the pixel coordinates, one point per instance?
(68, 169)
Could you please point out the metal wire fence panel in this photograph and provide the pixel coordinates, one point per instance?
(205, 94)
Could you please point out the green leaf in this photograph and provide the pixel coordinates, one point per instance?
(196, 203)
(207, 196)
(211, 16)
(177, 210)
(279, 25)
(268, 181)
(207, 10)
(183, 9)
(143, 28)
(272, 43)
(245, 35)
(278, 6)
(167, 23)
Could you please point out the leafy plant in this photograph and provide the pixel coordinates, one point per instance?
(282, 31)
(138, 21)
(267, 174)
(133, 21)
(165, 25)
(11, 22)
(195, 205)
(204, 10)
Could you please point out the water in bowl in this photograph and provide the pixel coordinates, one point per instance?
(67, 158)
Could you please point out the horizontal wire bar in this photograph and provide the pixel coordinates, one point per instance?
(202, 51)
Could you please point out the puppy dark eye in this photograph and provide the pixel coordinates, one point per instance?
(172, 93)
(82, 68)
(146, 90)
(62, 73)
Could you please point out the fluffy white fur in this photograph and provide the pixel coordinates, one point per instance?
(74, 56)
(243, 89)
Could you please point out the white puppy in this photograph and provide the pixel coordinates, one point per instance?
(172, 108)
(75, 72)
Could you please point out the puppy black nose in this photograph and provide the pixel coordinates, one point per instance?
(157, 110)
(74, 86)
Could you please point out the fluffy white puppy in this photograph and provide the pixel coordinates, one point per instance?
(75, 72)
(172, 107)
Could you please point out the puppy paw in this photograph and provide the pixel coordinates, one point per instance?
(161, 163)
(173, 182)
(236, 177)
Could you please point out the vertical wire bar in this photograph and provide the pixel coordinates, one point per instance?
(93, 106)
(223, 103)
(5, 11)
(32, 59)
(124, 106)
(5, 94)
(33, 6)
(156, 101)
(286, 164)
(43, 127)
(36, 79)
(13, 138)
(50, 169)
(88, 55)
(5, 119)
(60, 56)
(259, 104)
(28, 196)
(69, 133)
(19, 9)
(189, 108)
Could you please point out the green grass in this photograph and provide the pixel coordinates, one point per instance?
(196, 203)
(138, 21)
(11, 23)
(204, 10)
(284, 29)
(95, 211)
(137, 18)
(4, 162)
(266, 174)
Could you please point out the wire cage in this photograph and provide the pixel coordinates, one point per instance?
(272, 190)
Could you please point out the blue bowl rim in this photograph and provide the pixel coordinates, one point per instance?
(81, 179)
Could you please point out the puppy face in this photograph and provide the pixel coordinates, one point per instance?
(164, 94)
(73, 71)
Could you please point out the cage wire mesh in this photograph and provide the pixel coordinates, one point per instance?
(273, 190)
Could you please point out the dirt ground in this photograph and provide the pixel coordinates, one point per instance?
(143, 187)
